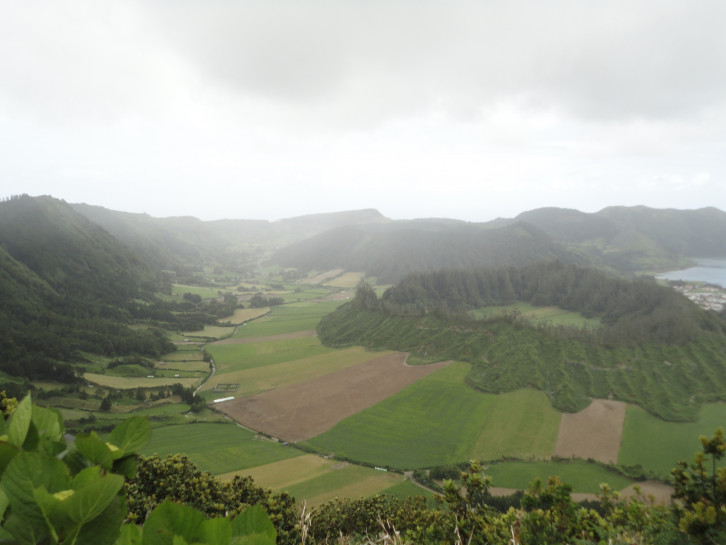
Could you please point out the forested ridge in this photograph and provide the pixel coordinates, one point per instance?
(390, 251)
(654, 347)
(69, 289)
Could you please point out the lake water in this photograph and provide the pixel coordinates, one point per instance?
(712, 271)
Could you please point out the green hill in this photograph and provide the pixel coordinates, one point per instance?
(187, 243)
(655, 348)
(638, 238)
(66, 286)
(390, 251)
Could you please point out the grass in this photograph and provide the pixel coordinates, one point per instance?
(125, 383)
(581, 475)
(306, 293)
(259, 379)
(346, 280)
(437, 421)
(210, 332)
(657, 445)
(288, 318)
(316, 480)
(518, 424)
(242, 315)
(217, 448)
(238, 357)
(203, 292)
(407, 488)
(540, 315)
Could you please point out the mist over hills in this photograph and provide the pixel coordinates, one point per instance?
(73, 277)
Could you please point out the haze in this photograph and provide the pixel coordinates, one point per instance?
(469, 110)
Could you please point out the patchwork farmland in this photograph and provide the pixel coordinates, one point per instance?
(371, 407)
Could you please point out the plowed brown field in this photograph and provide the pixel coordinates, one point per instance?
(594, 432)
(304, 410)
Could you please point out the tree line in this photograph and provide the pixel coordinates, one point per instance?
(631, 310)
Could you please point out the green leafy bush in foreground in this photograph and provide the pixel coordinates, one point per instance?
(53, 493)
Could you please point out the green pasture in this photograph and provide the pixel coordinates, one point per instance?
(259, 379)
(288, 318)
(124, 383)
(539, 315)
(306, 293)
(185, 355)
(346, 280)
(217, 448)
(242, 315)
(194, 365)
(518, 424)
(657, 445)
(316, 480)
(237, 357)
(407, 488)
(440, 420)
(210, 332)
(581, 475)
(202, 291)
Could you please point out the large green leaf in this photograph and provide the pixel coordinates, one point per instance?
(26, 472)
(130, 535)
(130, 435)
(95, 450)
(172, 519)
(7, 453)
(255, 526)
(19, 422)
(48, 422)
(89, 501)
(105, 528)
(216, 531)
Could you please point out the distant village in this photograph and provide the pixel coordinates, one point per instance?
(708, 296)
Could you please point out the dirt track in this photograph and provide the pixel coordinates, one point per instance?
(594, 432)
(304, 410)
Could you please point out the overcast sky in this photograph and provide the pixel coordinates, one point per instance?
(268, 109)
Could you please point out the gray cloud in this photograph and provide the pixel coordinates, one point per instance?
(607, 60)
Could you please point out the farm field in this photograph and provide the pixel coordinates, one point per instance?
(657, 445)
(210, 332)
(439, 420)
(288, 318)
(203, 292)
(346, 280)
(305, 409)
(217, 448)
(242, 315)
(278, 362)
(594, 432)
(539, 315)
(322, 277)
(229, 356)
(286, 373)
(581, 475)
(125, 383)
(316, 479)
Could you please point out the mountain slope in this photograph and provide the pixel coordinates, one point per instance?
(177, 243)
(66, 286)
(654, 347)
(390, 251)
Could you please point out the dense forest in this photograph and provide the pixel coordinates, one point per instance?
(654, 347)
(69, 289)
(390, 251)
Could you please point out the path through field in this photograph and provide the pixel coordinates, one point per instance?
(594, 432)
(304, 410)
